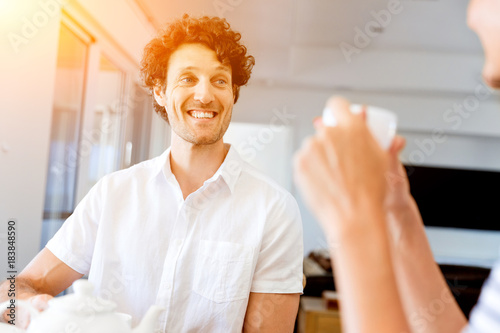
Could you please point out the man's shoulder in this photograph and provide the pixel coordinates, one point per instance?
(262, 182)
(139, 172)
(258, 193)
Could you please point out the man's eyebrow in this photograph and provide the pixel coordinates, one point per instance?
(189, 68)
(218, 68)
(223, 68)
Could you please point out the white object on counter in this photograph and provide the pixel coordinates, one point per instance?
(84, 313)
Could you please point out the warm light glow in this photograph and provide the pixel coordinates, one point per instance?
(15, 7)
(4, 5)
(28, 24)
(13, 11)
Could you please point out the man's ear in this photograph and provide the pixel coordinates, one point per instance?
(235, 92)
(160, 97)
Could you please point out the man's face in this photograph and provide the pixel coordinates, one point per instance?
(199, 95)
(484, 18)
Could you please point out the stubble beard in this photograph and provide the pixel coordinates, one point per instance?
(187, 135)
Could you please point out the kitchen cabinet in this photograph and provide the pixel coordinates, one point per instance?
(314, 317)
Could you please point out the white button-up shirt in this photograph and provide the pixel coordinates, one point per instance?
(141, 243)
(485, 316)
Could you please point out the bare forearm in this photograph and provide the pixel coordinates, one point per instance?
(364, 274)
(428, 302)
(16, 288)
(271, 313)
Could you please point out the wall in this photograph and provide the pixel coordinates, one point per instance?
(470, 141)
(119, 24)
(28, 52)
(26, 89)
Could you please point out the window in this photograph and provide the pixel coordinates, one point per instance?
(66, 121)
(101, 121)
(108, 117)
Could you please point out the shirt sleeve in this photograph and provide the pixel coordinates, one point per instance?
(74, 242)
(485, 317)
(279, 267)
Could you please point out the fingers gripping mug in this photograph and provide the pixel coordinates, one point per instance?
(381, 122)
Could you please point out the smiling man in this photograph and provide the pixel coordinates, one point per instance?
(195, 230)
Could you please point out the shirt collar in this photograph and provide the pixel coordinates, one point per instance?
(161, 164)
(229, 170)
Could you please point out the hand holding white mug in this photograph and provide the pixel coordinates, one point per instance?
(341, 168)
(381, 122)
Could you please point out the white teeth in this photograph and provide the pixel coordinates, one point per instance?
(201, 114)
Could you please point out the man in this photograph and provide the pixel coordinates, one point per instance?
(196, 230)
(384, 267)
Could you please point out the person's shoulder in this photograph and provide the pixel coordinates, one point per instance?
(262, 182)
(267, 194)
(140, 172)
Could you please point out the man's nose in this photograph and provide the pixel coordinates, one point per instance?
(203, 92)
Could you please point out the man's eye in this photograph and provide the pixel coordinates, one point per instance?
(186, 80)
(221, 81)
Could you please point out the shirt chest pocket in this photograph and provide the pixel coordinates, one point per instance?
(224, 271)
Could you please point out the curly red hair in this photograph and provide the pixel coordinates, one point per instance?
(213, 32)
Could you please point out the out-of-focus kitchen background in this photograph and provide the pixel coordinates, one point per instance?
(72, 108)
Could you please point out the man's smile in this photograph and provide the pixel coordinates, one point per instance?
(202, 114)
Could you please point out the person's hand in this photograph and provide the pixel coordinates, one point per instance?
(398, 186)
(402, 210)
(22, 314)
(341, 169)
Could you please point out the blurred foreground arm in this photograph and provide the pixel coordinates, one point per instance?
(341, 173)
(387, 277)
(428, 301)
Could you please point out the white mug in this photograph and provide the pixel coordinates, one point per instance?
(382, 123)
